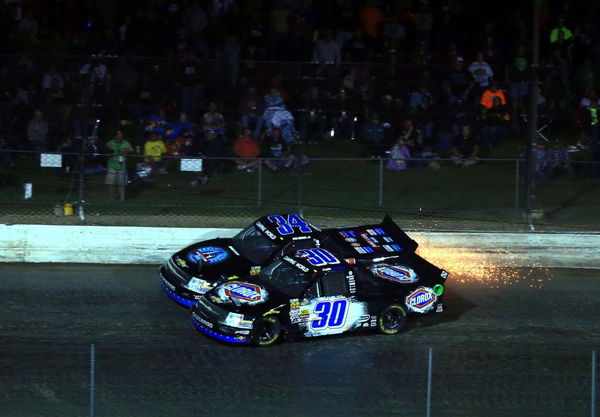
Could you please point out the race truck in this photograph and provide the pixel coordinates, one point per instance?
(197, 268)
(315, 291)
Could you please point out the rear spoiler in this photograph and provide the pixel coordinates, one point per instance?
(405, 241)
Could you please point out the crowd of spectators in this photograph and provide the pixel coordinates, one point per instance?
(413, 79)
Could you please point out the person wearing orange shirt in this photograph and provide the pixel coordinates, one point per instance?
(487, 98)
(371, 18)
(495, 123)
(247, 149)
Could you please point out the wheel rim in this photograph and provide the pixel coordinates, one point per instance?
(392, 319)
(267, 332)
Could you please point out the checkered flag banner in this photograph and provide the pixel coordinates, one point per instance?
(51, 160)
(194, 165)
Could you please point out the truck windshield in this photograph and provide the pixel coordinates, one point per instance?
(254, 246)
(286, 278)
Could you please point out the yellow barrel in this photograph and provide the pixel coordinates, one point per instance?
(68, 209)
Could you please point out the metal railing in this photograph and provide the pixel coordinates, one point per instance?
(488, 193)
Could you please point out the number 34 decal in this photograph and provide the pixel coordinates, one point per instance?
(286, 227)
(331, 314)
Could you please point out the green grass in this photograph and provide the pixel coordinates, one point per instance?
(485, 195)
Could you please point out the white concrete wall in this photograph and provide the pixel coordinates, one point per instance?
(97, 244)
(152, 245)
(553, 250)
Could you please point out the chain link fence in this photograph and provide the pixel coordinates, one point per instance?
(468, 381)
(328, 191)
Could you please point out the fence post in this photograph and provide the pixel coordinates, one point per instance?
(81, 190)
(429, 368)
(380, 182)
(517, 180)
(92, 377)
(259, 197)
(593, 399)
(299, 175)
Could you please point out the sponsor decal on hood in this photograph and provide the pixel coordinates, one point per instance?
(396, 273)
(242, 292)
(208, 255)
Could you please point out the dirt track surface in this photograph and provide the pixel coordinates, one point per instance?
(517, 350)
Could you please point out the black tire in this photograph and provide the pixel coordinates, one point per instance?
(268, 331)
(392, 319)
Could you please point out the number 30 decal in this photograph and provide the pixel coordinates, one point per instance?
(331, 314)
(318, 257)
(286, 227)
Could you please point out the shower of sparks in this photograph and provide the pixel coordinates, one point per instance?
(485, 268)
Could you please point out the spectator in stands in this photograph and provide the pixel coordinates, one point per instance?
(589, 118)
(279, 16)
(388, 108)
(69, 159)
(279, 156)
(495, 123)
(247, 149)
(464, 148)
(212, 146)
(195, 20)
(154, 149)
(584, 40)
(124, 81)
(410, 134)
(213, 119)
(426, 117)
(416, 97)
(27, 30)
(560, 30)
(420, 150)
(249, 100)
(557, 161)
(184, 124)
(356, 48)
(189, 82)
(518, 77)
(487, 98)
(326, 53)
(344, 114)
(345, 21)
(373, 136)
(541, 155)
(146, 100)
(557, 85)
(231, 56)
(371, 18)
(482, 75)
(37, 132)
(564, 46)
(492, 54)
(116, 174)
(100, 80)
(276, 115)
(52, 77)
(312, 115)
(459, 79)
(399, 156)
(250, 118)
(586, 77)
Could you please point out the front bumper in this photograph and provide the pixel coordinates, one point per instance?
(219, 323)
(203, 326)
(172, 285)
